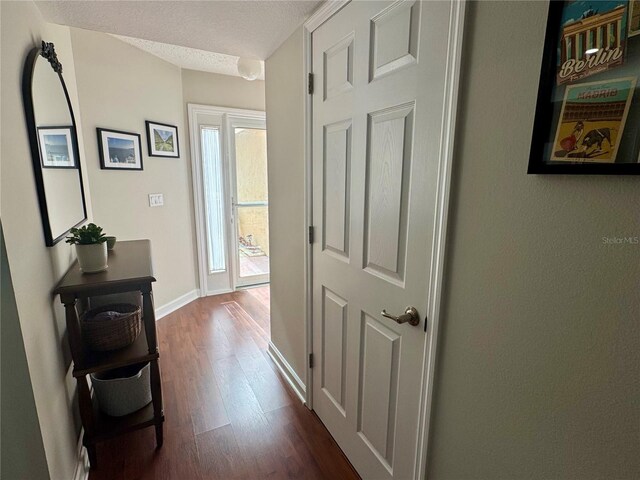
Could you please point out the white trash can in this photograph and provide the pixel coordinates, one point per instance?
(123, 390)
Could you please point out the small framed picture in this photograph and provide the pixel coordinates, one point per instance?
(587, 118)
(162, 140)
(56, 147)
(119, 150)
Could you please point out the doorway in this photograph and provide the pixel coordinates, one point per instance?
(250, 200)
(229, 161)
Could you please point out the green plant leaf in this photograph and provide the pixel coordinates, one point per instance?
(86, 235)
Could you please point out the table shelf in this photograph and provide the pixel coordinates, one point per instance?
(106, 427)
(130, 270)
(137, 352)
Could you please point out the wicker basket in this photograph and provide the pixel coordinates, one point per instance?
(112, 333)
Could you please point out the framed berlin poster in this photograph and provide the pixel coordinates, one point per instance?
(587, 118)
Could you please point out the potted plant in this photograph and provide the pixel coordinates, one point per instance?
(91, 247)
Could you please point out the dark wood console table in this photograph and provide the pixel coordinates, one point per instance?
(130, 270)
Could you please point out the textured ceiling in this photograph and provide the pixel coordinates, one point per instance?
(191, 58)
(246, 28)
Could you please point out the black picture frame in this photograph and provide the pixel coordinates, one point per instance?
(153, 152)
(106, 163)
(47, 51)
(547, 113)
(71, 146)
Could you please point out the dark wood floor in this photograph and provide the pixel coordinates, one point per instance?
(229, 414)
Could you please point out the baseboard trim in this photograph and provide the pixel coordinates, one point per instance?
(82, 467)
(220, 291)
(174, 305)
(287, 371)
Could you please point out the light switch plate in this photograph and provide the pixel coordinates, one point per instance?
(156, 199)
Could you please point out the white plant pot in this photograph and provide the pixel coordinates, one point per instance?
(92, 258)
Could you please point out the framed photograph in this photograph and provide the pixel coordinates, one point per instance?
(162, 140)
(587, 118)
(119, 150)
(56, 147)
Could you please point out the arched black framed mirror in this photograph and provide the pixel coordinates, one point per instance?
(54, 144)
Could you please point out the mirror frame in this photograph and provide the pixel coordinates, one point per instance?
(47, 51)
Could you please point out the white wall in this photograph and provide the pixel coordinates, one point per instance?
(222, 90)
(285, 150)
(540, 350)
(120, 87)
(35, 268)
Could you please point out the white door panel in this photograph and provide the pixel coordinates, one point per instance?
(336, 189)
(379, 70)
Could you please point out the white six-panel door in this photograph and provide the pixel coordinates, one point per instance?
(379, 70)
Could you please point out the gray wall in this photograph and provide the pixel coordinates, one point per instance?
(285, 148)
(35, 268)
(22, 449)
(539, 364)
(540, 351)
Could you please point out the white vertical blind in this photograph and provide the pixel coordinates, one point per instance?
(213, 197)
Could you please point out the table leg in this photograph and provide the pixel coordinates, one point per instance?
(156, 386)
(91, 452)
(149, 318)
(156, 395)
(86, 414)
(159, 435)
(73, 328)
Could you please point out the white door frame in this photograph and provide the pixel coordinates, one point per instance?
(198, 194)
(436, 269)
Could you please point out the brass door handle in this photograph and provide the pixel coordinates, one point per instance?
(409, 316)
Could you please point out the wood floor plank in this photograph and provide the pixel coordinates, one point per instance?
(110, 461)
(229, 413)
(257, 306)
(264, 382)
(296, 418)
(220, 457)
(176, 402)
(207, 408)
(294, 447)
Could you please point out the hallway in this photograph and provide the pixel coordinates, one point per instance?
(229, 413)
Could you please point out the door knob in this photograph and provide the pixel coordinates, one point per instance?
(409, 316)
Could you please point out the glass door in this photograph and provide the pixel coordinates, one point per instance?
(248, 142)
